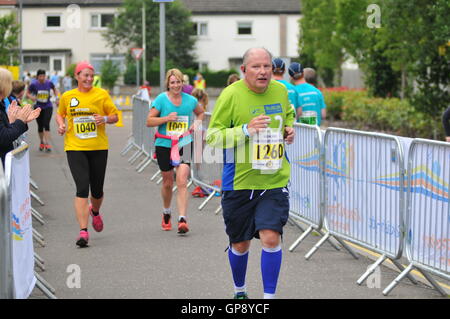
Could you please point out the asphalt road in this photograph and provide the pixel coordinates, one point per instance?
(134, 258)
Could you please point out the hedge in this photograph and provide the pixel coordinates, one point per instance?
(394, 116)
(213, 78)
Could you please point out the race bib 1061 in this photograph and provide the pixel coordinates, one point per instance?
(178, 127)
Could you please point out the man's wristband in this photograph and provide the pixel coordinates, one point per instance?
(105, 118)
(245, 130)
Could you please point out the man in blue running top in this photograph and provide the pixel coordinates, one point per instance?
(278, 69)
(310, 99)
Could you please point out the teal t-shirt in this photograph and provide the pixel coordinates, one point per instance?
(238, 105)
(291, 92)
(310, 99)
(185, 117)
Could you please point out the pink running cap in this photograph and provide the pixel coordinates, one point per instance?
(83, 65)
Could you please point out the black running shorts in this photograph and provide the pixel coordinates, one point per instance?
(163, 157)
(88, 171)
(246, 212)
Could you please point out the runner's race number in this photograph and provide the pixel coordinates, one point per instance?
(269, 151)
(178, 127)
(85, 127)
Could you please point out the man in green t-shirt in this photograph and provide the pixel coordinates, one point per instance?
(252, 120)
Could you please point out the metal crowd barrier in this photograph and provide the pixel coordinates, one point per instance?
(364, 193)
(306, 185)
(6, 253)
(6, 279)
(427, 215)
(141, 137)
(206, 169)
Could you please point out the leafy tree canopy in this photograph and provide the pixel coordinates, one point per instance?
(126, 31)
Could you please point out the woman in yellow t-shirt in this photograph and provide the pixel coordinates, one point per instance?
(87, 110)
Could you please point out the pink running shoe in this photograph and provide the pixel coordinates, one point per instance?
(83, 239)
(97, 221)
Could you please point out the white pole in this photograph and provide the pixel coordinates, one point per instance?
(144, 45)
(162, 45)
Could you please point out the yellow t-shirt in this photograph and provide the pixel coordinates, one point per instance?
(79, 108)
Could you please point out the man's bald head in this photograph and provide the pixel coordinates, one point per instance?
(310, 75)
(253, 51)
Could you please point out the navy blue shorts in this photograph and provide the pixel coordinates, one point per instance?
(246, 212)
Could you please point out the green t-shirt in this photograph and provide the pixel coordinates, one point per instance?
(238, 105)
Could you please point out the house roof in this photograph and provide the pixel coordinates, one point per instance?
(243, 6)
(196, 6)
(65, 3)
(7, 2)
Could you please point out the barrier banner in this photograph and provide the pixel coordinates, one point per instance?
(429, 233)
(17, 170)
(364, 188)
(306, 183)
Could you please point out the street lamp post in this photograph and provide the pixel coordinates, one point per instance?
(20, 41)
(162, 44)
(144, 44)
(162, 41)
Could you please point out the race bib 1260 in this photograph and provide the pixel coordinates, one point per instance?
(268, 150)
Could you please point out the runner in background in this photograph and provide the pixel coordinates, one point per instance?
(87, 109)
(97, 81)
(202, 98)
(234, 77)
(254, 116)
(55, 79)
(312, 108)
(187, 88)
(39, 92)
(278, 68)
(446, 124)
(199, 82)
(147, 87)
(310, 76)
(172, 112)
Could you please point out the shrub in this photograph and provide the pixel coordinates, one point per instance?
(393, 116)
(110, 73)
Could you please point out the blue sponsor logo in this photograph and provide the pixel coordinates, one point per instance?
(257, 110)
(273, 108)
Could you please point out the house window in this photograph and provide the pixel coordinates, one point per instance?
(101, 20)
(244, 28)
(235, 63)
(53, 21)
(203, 66)
(201, 28)
(98, 59)
(57, 65)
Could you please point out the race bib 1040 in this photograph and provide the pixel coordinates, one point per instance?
(85, 127)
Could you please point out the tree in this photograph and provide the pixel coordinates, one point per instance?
(110, 73)
(126, 31)
(415, 31)
(319, 41)
(9, 33)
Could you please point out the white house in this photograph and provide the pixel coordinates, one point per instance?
(57, 33)
(226, 29)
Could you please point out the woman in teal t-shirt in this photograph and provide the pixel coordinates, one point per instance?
(173, 111)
